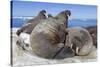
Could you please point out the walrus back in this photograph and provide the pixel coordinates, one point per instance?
(44, 39)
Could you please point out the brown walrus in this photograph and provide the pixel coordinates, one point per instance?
(93, 31)
(28, 27)
(45, 38)
(49, 15)
(41, 15)
(81, 40)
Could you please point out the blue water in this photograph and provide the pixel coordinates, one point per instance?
(82, 23)
(18, 22)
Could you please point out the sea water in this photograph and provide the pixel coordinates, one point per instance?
(18, 22)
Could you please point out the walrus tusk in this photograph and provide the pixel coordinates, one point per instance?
(77, 50)
(71, 46)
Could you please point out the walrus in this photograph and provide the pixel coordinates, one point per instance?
(49, 15)
(41, 15)
(29, 26)
(93, 31)
(81, 40)
(27, 29)
(23, 41)
(45, 38)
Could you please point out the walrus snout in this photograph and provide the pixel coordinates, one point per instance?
(65, 13)
(68, 12)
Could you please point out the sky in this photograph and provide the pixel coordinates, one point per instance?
(25, 8)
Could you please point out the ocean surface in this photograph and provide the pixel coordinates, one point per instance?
(19, 21)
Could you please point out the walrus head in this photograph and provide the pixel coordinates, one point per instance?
(63, 15)
(43, 11)
(66, 13)
(42, 14)
(49, 15)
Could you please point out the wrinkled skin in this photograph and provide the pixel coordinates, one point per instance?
(47, 37)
